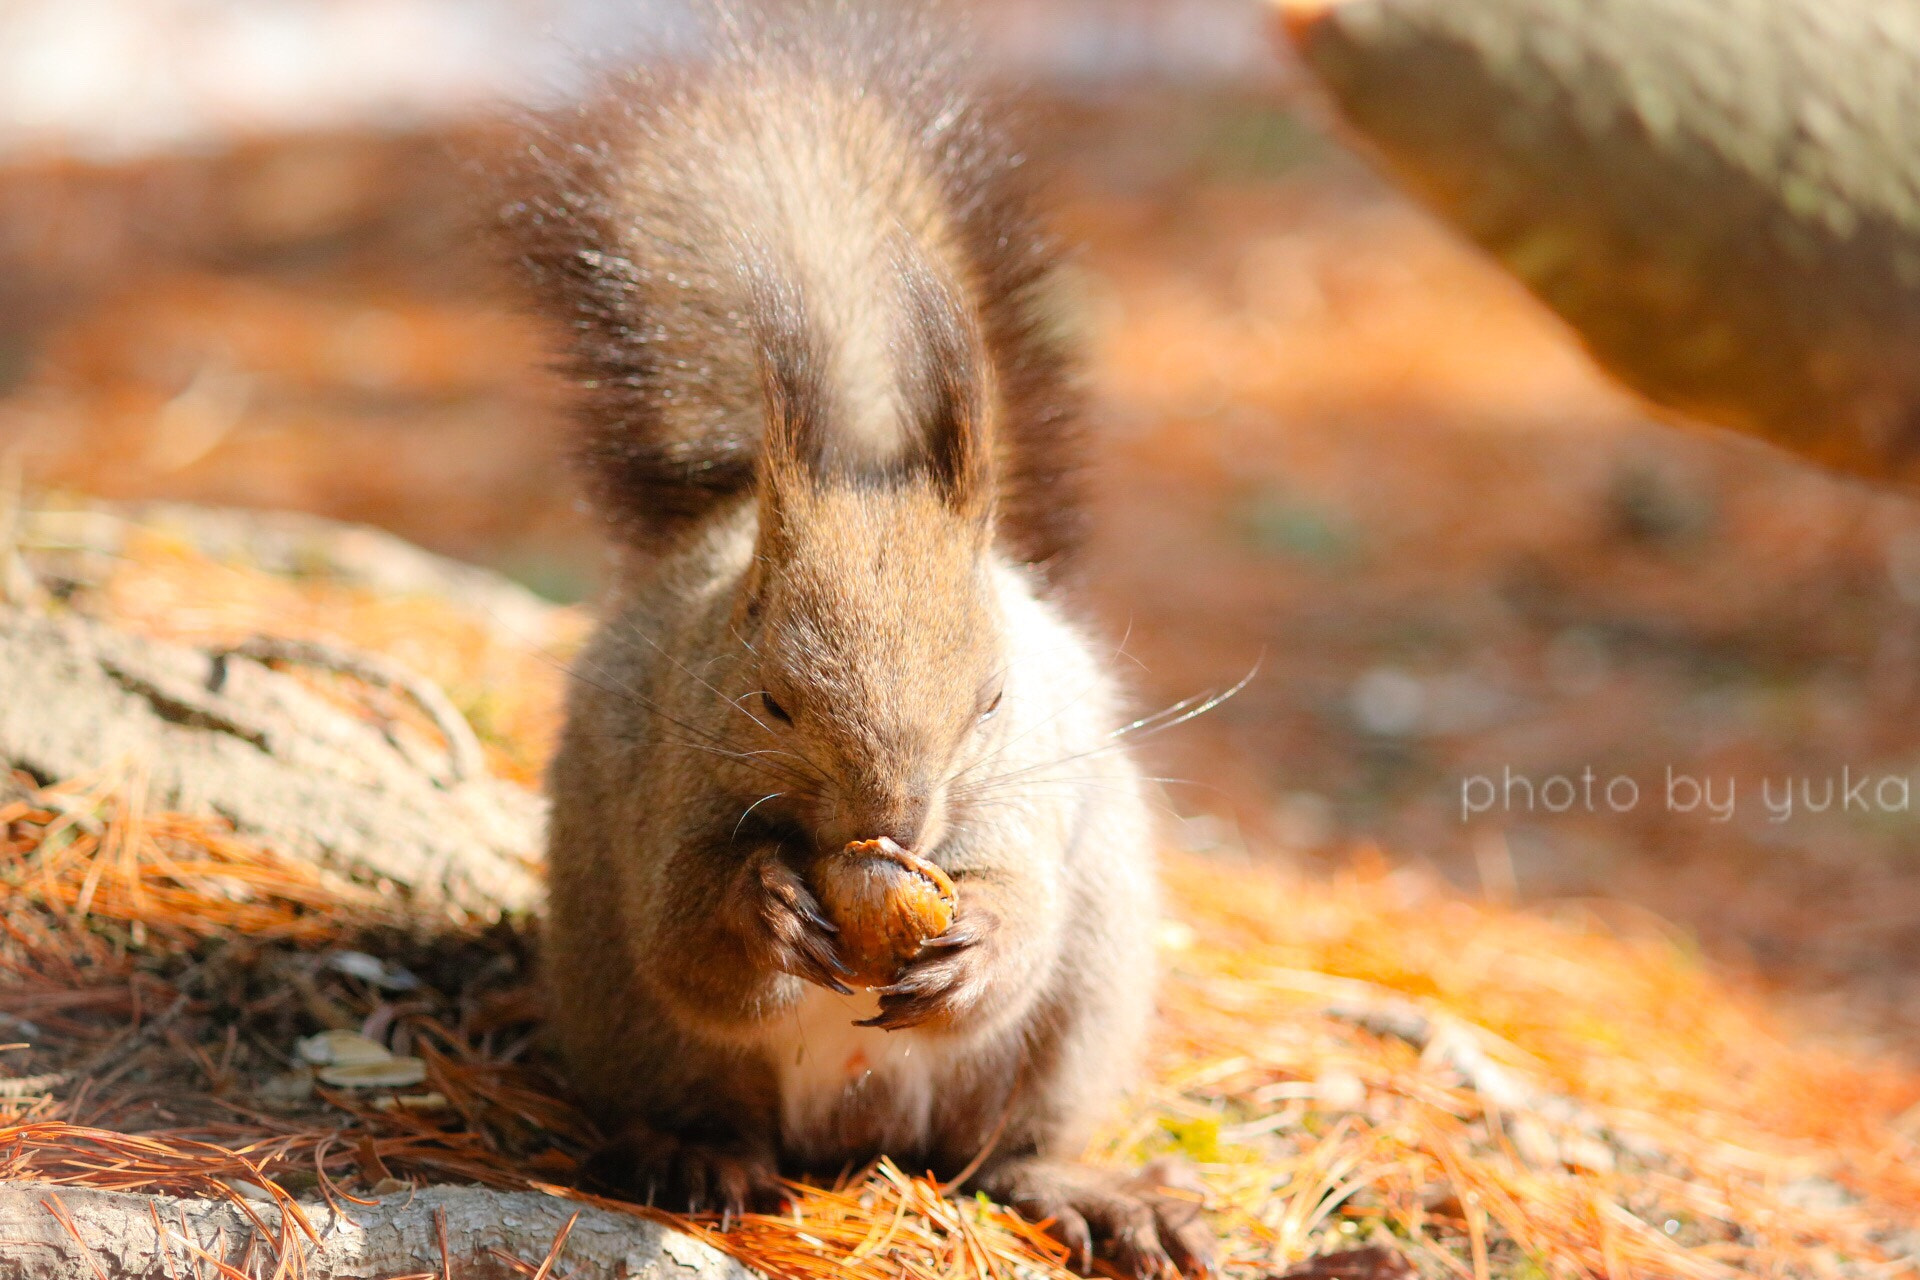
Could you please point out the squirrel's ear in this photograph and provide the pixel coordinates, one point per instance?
(793, 387)
(950, 394)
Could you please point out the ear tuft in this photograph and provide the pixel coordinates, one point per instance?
(949, 392)
(793, 383)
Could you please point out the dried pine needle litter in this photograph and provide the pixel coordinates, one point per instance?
(1368, 1059)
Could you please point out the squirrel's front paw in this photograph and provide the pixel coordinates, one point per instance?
(784, 919)
(945, 980)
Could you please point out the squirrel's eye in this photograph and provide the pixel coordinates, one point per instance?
(994, 705)
(774, 709)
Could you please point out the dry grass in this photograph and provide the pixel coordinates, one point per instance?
(1597, 1100)
(1368, 1058)
(89, 850)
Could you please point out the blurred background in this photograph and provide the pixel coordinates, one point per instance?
(238, 266)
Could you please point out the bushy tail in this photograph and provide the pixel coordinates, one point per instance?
(815, 140)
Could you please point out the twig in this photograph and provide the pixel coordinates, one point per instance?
(559, 1243)
(160, 1244)
(58, 1208)
(519, 1266)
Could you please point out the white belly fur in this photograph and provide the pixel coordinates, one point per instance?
(832, 1073)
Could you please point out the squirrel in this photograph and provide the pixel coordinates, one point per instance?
(831, 418)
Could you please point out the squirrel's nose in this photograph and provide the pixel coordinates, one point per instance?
(903, 821)
(901, 818)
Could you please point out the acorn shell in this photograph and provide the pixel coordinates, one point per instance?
(886, 902)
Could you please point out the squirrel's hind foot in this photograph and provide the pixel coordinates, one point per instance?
(688, 1175)
(1145, 1225)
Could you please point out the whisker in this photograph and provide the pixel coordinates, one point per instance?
(703, 682)
(1005, 802)
(749, 812)
(775, 751)
(1179, 713)
(1120, 649)
(713, 742)
(768, 769)
(806, 760)
(997, 784)
(997, 752)
(1186, 709)
(619, 689)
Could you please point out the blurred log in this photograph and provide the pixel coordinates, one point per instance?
(226, 731)
(74, 1233)
(80, 542)
(1721, 196)
(230, 735)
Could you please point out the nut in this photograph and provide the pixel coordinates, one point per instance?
(886, 902)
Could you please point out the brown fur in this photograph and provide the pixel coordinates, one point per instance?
(806, 392)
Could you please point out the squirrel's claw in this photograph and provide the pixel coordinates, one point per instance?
(795, 933)
(811, 956)
(821, 968)
(688, 1175)
(903, 1004)
(1144, 1227)
(898, 1018)
(960, 934)
(946, 978)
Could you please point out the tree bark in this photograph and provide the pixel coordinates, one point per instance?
(116, 1236)
(229, 735)
(224, 732)
(1721, 196)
